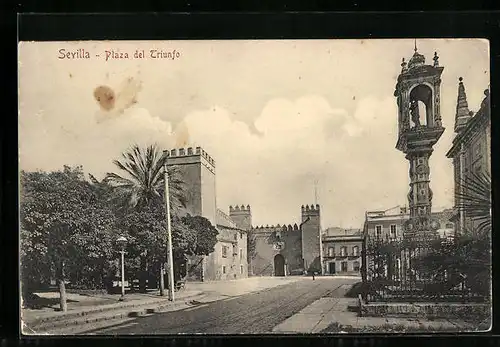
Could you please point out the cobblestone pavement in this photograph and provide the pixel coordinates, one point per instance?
(253, 313)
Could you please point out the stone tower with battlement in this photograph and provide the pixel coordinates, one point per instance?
(242, 216)
(311, 238)
(197, 169)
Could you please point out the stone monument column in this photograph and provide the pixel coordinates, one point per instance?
(420, 128)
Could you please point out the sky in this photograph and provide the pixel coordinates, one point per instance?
(279, 117)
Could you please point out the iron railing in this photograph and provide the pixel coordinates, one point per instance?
(408, 270)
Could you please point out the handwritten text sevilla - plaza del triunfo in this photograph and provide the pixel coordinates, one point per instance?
(82, 53)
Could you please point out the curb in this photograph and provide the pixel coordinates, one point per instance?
(76, 318)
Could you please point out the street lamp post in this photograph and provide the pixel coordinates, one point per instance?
(169, 235)
(122, 241)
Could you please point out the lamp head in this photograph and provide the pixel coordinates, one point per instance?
(121, 241)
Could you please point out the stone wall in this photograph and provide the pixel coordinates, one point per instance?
(429, 310)
(262, 264)
(265, 240)
(197, 170)
(292, 252)
(208, 194)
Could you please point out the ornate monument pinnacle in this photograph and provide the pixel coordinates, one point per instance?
(418, 97)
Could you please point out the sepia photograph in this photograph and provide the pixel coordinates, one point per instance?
(325, 186)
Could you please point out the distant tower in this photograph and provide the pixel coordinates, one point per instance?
(418, 91)
(312, 252)
(242, 216)
(197, 170)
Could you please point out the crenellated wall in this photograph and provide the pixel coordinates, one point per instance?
(291, 240)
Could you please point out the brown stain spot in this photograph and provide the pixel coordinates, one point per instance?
(105, 97)
(182, 135)
(70, 75)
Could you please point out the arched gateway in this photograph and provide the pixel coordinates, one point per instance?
(279, 265)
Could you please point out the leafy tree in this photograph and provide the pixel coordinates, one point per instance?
(204, 234)
(191, 235)
(146, 232)
(65, 226)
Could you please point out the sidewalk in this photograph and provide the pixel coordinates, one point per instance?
(331, 315)
(86, 308)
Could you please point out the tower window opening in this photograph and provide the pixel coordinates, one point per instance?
(421, 106)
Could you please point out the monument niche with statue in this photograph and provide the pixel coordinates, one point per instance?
(418, 97)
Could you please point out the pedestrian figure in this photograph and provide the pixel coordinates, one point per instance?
(314, 273)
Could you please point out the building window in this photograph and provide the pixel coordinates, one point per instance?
(236, 237)
(241, 253)
(223, 269)
(331, 251)
(343, 251)
(224, 251)
(355, 266)
(355, 251)
(241, 235)
(378, 231)
(241, 269)
(393, 231)
(344, 266)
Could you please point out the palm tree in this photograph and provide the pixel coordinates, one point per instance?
(141, 186)
(474, 196)
(475, 248)
(143, 183)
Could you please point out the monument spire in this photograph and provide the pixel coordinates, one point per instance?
(463, 114)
